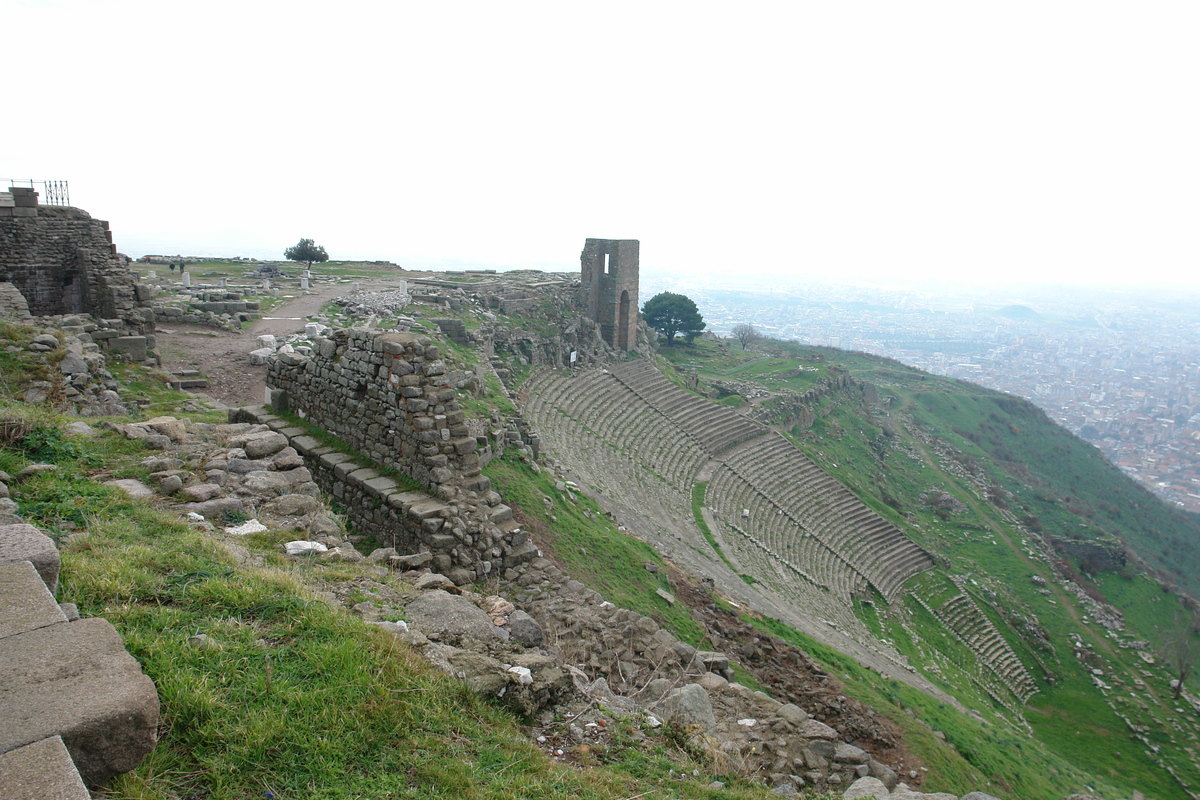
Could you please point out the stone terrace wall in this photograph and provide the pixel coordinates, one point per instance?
(64, 262)
(388, 395)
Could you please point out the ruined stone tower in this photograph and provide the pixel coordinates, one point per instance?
(609, 269)
(64, 262)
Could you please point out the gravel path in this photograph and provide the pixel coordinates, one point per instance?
(223, 356)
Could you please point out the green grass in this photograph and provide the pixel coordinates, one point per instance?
(591, 549)
(291, 697)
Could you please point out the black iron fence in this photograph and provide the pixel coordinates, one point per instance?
(50, 193)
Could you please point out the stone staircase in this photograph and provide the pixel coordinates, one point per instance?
(75, 708)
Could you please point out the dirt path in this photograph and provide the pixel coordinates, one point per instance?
(223, 356)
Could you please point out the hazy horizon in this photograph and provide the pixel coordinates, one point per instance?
(932, 141)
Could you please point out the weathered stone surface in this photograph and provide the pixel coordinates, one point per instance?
(301, 547)
(978, 796)
(267, 483)
(688, 706)
(81, 428)
(73, 364)
(812, 729)
(866, 787)
(264, 444)
(25, 602)
(200, 492)
(414, 561)
(450, 618)
(792, 714)
(849, 754)
(76, 680)
(22, 542)
(42, 770)
(134, 488)
(35, 469)
(291, 505)
(883, 772)
(524, 629)
(134, 347)
(170, 427)
(212, 507)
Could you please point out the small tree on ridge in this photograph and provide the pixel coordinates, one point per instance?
(745, 333)
(306, 250)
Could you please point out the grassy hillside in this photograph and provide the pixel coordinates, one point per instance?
(991, 486)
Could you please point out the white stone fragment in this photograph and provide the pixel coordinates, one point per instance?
(261, 355)
(302, 548)
(523, 675)
(251, 526)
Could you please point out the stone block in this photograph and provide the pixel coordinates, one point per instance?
(76, 680)
(42, 770)
(25, 602)
(264, 444)
(132, 346)
(426, 508)
(359, 477)
(22, 542)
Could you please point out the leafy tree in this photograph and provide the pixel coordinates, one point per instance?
(306, 250)
(745, 333)
(670, 313)
(1182, 648)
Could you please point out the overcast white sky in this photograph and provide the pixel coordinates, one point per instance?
(1052, 141)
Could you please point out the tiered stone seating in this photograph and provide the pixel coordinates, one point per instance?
(816, 504)
(804, 533)
(965, 618)
(715, 427)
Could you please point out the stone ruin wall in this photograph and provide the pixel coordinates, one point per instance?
(389, 396)
(64, 262)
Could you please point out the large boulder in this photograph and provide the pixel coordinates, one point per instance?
(264, 444)
(866, 787)
(451, 618)
(687, 706)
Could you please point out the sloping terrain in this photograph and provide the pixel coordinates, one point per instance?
(833, 523)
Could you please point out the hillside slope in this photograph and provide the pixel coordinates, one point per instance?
(1039, 615)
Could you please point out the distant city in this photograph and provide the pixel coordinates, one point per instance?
(1119, 367)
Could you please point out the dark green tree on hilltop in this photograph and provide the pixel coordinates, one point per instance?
(306, 250)
(670, 313)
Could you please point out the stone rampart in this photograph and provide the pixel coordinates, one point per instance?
(1092, 555)
(466, 535)
(64, 262)
(390, 396)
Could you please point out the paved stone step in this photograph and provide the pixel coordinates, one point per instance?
(75, 679)
(23, 542)
(25, 602)
(42, 770)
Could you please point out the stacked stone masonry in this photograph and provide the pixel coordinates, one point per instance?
(389, 396)
(64, 262)
(468, 537)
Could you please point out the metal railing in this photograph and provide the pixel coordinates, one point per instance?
(50, 193)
